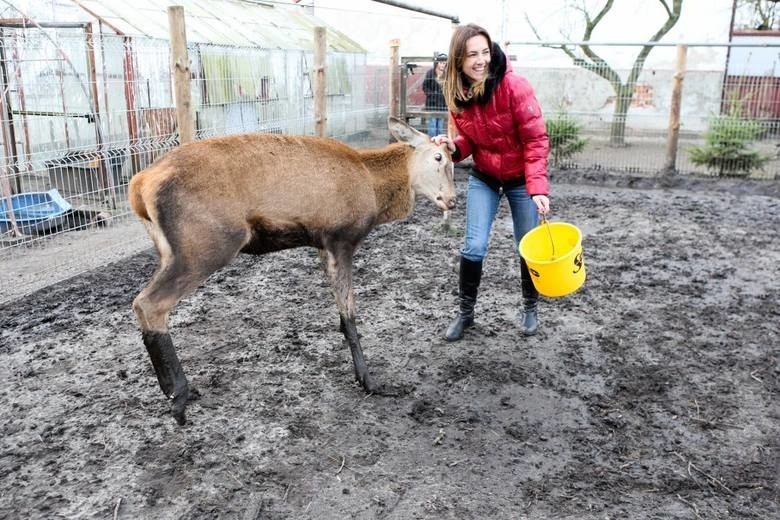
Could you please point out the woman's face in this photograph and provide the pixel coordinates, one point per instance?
(475, 64)
(440, 66)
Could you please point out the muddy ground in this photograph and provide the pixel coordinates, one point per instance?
(652, 393)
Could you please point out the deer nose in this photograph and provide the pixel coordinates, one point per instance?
(449, 202)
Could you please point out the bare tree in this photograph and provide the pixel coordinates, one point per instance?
(759, 14)
(588, 59)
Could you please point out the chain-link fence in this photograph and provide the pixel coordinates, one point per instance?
(82, 113)
(724, 121)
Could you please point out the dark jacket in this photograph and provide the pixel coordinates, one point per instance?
(434, 97)
(505, 131)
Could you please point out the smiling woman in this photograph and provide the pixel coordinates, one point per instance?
(477, 59)
(499, 122)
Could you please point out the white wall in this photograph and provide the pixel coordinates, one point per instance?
(755, 61)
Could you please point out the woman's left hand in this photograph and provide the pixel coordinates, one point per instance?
(542, 204)
(439, 139)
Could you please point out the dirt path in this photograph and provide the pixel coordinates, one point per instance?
(651, 393)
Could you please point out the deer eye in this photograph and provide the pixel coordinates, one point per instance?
(437, 156)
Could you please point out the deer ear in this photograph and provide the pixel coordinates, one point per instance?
(405, 133)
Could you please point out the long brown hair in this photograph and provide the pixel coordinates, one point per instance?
(456, 87)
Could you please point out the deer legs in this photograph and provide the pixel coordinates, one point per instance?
(170, 375)
(338, 265)
(359, 362)
(152, 307)
(177, 276)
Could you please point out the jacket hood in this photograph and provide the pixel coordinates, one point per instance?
(497, 70)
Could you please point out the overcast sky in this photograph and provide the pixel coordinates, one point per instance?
(373, 24)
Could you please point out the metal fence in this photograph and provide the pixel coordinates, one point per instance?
(717, 108)
(67, 118)
(82, 113)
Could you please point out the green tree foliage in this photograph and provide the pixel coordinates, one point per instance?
(564, 133)
(726, 149)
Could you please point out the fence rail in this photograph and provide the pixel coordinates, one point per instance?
(82, 112)
(685, 97)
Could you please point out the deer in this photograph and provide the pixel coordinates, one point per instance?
(206, 201)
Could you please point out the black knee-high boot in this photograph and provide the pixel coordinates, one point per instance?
(470, 275)
(530, 300)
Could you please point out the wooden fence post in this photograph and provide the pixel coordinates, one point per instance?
(105, 175)
(320, 59)
(395, 44)
(129, 81)
(673, 134)
(9, 170)
(9, 135)
(180, 68)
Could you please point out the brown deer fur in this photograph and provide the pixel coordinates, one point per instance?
(206, 201)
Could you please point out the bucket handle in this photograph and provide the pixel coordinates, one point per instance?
(546, 223)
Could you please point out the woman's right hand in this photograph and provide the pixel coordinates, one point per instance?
(542, 204)
(439, 139)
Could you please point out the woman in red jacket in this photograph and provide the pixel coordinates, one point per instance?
(500, 124)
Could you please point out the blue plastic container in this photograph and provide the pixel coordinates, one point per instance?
(35, 212)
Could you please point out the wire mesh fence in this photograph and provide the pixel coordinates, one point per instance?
(82, 112)
(619, 118)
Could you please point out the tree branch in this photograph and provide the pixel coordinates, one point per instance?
(532, 26)
(666, 6)
(671, 20)
(591, 24)
(549, 46)
(597, 64)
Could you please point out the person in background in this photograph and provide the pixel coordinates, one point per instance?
(499, 123)
(434, 96)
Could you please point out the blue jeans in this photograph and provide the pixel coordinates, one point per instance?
(436, 126)
(481, 208)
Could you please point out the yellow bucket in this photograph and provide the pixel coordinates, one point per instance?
(553, 252)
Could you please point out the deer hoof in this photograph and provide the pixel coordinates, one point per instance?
(373, 388)
(367, 382)
(178, 406)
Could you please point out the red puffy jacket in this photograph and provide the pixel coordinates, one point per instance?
(507, 135)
